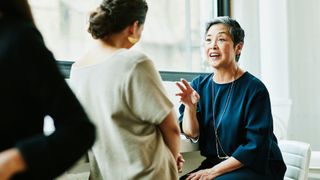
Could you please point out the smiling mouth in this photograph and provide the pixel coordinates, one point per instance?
(214, 55)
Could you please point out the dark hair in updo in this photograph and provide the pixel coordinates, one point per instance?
(112, 16)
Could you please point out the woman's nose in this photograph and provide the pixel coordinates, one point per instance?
(214, 45)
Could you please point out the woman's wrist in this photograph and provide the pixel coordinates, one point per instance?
(215, 171)
(191, 107)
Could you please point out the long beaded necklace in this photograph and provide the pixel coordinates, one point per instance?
(217, 141)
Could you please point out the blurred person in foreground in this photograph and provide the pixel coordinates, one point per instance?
(32, 88)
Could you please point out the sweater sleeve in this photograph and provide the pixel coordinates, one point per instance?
(258, 125)
(143, 87)
(48, 156)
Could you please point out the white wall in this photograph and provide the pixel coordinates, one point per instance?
(247, 14)
(304, 73)
(292, 72)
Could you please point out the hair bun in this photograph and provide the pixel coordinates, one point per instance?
(107, 10)
(112, 16)
(99, 23)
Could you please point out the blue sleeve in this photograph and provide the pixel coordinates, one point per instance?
(258, 125)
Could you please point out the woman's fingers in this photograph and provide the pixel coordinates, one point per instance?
(188, 96)
(196, 177)
(201, 174)
(181, 87)
(179, 94)
(185, 82)
(184, 86)
(191, 176)
(187, 85)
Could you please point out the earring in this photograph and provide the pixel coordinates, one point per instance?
(133, 40)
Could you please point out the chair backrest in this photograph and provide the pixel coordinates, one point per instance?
(296, 155)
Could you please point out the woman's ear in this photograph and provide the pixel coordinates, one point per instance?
(133, 33)
(133, 28)
(238, 48)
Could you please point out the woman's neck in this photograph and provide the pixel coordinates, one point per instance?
(227, 75)
(116, 41)
(108, 47)
(97, 53)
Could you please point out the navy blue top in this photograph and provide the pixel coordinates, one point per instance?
(246, 128)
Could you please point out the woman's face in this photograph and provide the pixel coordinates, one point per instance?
(219, 47)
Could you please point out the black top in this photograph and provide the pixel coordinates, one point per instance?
(31, 88)
(243, 120)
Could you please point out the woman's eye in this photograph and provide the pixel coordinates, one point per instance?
(208, 40)
(221, 39)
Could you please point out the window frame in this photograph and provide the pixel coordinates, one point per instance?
(220, 7)
(65, 67)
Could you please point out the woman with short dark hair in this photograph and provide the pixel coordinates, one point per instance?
(229, 112)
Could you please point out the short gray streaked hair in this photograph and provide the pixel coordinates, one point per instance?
(236, 32)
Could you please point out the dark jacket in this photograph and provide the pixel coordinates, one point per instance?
(32, 88)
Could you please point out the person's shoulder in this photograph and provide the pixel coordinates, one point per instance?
(16, 25)
(134, 55)
(253, 82)
(18, 34)
(132, 61)
(203, 78)
(15, 29)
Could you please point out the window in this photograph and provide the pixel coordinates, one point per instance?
(172, 37)
(63, 24)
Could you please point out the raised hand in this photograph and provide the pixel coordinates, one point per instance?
(188, 96)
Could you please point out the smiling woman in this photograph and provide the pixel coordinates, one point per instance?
(229, 103)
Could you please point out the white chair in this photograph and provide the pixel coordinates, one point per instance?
(314, 168)
(296, 155)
